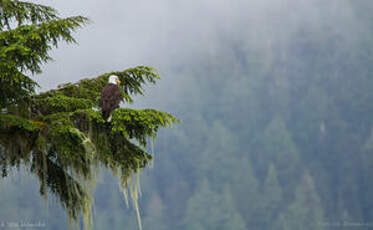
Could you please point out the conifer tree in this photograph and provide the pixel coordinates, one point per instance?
(275, 146)
(270, 201)
(306, 211)
(60, 134)
(246, 193)
(208, 209)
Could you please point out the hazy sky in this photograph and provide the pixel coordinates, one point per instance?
(174, 35)
(167, 34)
(129, 33)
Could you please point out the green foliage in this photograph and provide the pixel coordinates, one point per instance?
(65, 135)
(61, 103)
(60, 134)
(259, 113)
(132, 82)
(25, 48)
(140, 124)
(13, 122)
(24, 12)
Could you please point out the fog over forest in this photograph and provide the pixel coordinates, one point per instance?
(169, 35)
(275, 99)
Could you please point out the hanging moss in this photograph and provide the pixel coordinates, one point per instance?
(63, 138)
(59, 134)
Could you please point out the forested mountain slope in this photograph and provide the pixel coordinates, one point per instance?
(277, 129)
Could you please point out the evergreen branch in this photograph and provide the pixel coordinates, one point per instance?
(140, 124)
(61, 103)
(24, 12)
(26, 47)
(15, 87)
(59, 131)
(9, 122)
(132, 82)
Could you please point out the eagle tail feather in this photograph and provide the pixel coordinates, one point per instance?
(105, 115)
(109, 119)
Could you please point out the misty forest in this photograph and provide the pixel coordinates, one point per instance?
(262, 119)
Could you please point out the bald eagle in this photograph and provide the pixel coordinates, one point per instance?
(111, 95)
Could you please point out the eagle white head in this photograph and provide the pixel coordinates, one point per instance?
(113, 79)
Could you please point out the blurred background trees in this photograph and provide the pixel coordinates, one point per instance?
(276, 133)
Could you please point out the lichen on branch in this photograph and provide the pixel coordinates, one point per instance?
(60, 134)
(64, 137)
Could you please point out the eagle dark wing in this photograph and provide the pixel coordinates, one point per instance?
(111, 96)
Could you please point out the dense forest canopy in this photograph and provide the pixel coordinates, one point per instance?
(60, 134)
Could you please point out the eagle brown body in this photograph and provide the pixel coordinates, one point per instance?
(111, 96)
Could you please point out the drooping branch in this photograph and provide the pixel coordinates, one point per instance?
(24, 12)
(62, 135)
(24, 49)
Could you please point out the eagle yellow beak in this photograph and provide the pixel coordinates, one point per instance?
(118, 81)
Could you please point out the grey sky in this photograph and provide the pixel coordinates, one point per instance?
(128, 33)
(167, 33)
